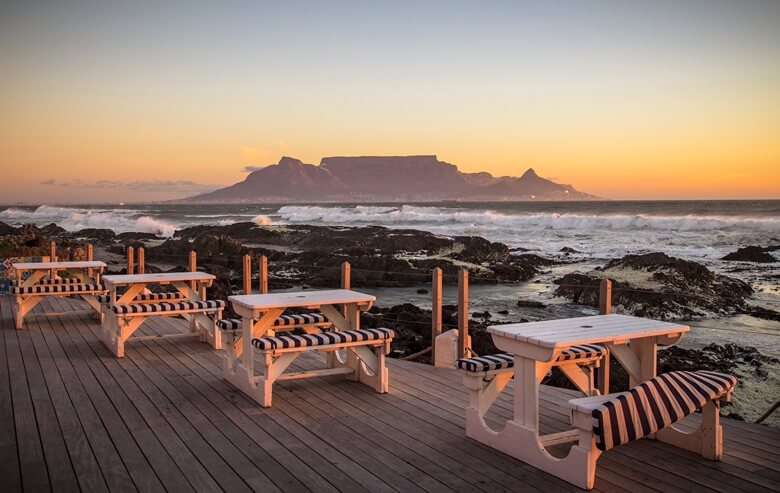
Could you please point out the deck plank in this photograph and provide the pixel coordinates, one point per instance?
(74, 417)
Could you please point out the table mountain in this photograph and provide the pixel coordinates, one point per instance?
(384, 178)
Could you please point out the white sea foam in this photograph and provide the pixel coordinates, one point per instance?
(262, 220)
(74, 219)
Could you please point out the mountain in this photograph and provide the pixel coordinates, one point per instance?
(384, 178)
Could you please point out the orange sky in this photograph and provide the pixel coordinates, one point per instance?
(124, 106)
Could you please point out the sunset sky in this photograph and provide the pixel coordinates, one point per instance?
(132, 101)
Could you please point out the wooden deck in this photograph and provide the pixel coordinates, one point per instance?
(73, 417)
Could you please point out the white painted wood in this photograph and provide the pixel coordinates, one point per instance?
(585, 330)
(90, 264)
(164, 277)
(301, 299)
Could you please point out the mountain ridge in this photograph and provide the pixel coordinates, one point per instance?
(384, 179)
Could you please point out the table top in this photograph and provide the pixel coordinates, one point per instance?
(87, 264)
(300, 299)
(161, 277)
(586, 330)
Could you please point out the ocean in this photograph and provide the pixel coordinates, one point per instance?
(703, 231)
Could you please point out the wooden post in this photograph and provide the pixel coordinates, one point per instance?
(464, 341)
(435, 310)
(346, 276)
(130, 260)
(605, 297)
(193, 267)
(247, 274)
(262, 275)
(141, 261)
(89, 259)
(605, 308)
(53, 258)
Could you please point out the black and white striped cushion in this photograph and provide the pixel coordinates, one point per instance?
(48, 282)
(503, 361)
(322, 339)
(105, 298)
(486, 363)
(582, 351)
(283, 321)
(655, 404)
(57, 288)
(167, 307)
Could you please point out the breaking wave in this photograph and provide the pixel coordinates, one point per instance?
(74, 219)
(415, 216)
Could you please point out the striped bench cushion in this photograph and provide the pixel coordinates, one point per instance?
(655, 404)
(58, 288)
(48, 282)
(105, 298)
(504, 361)
(323, 339)
(176, 306)
(283, 321)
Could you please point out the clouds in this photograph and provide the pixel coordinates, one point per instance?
(249, 169)
(140, 186)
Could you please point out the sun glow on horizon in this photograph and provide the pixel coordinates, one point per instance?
(122, 103)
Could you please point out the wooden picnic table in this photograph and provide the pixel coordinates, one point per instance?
(633, 341)
(44, 281)
(191, 285)
(258, 313)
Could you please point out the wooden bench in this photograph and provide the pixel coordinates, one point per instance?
(310, 322)
(27, 297)
(127, 317)
(649, 410)
(278, 352)
(487, 376)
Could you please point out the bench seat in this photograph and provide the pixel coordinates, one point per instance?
(284, 321)
(167, 307)
(650, 406)
(48, 282)
(504, 361)
(325, 338)
(68, 288)
(106, 298)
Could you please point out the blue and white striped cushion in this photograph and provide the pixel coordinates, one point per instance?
(283, 321)
(322, 339)
(167, 307)
(58, 288)
(656, 404)
(105, 298)
(503, 361)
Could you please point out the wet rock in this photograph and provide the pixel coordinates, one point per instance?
(568, 250)
(659, 286)
(422, 291)
(753, 254)
(136, 236)
(100, 234)
(485, 314)
(503, 312)
(764, 313)
(6, 229)
(530, 304)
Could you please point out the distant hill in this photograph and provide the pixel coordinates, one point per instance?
(384, 179)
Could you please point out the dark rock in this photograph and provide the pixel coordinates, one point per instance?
(530, 304)
(503, 312)
(422, 291)
(52, 230)
(568, 250)
(765, 313)
(659, 286)
(100, 234)
(136, 236)
(753, 254)
(485, 314)
(6, 229)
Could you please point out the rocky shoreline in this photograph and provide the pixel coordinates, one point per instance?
(653, 285)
